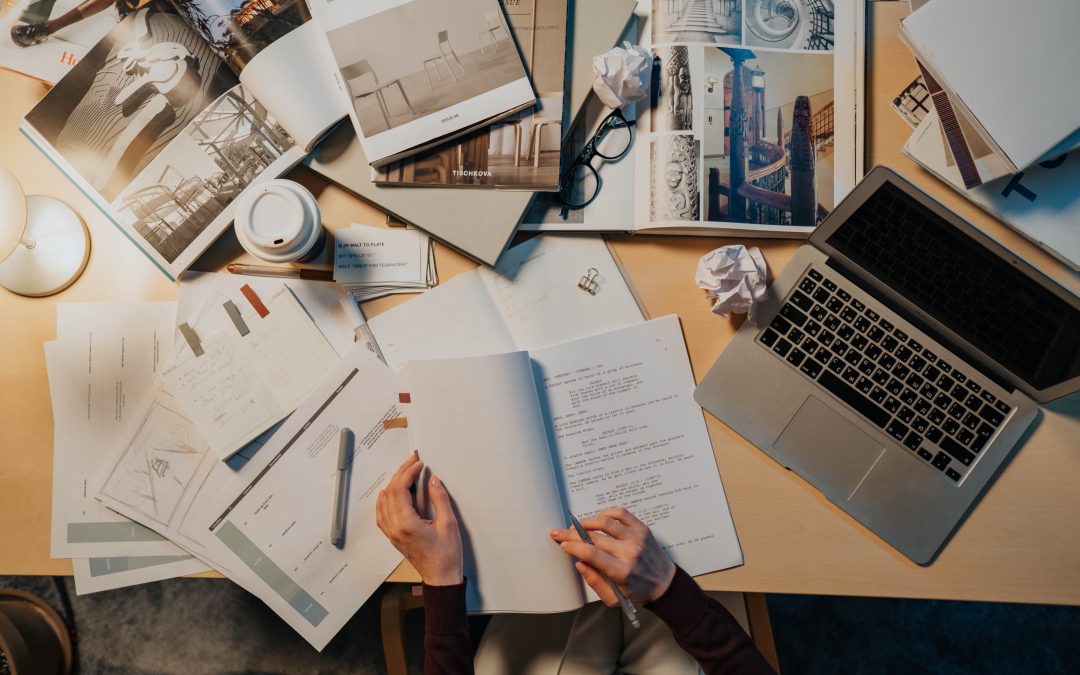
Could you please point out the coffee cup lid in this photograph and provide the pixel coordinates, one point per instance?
(277, 221)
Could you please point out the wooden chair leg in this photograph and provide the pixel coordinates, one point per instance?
(398, 600)
(760, 628)
(517, 145)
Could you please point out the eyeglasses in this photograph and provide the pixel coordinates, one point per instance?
(580, 183)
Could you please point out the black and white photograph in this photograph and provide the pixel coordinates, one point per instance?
(697, 21)
(769, 137)
(790, 24)
(675, 108)
(132, 94)
(240, 29)
(394, 78)
(674, 193)
(223, 151)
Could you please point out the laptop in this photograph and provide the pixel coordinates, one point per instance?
(900, 358)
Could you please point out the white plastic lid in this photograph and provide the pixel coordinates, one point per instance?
(278, 221)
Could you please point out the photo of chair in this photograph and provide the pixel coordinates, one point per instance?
(362, 81)
(446, 52)
(494, 24)
(538, 124)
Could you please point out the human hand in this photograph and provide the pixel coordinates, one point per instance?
(624, 551)
(432, 546)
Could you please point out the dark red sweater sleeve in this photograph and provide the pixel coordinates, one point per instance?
(447, 647)
(706, 630)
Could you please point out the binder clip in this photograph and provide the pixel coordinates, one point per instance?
(588, 282)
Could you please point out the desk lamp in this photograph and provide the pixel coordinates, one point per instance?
(44, 245)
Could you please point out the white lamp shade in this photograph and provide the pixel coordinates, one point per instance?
(12, 212)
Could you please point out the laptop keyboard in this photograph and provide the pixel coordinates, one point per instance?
(942, 415)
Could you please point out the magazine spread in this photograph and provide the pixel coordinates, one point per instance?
(156, 126)
(45, 39)
(519, 152)
(754, 122)
(418, 73)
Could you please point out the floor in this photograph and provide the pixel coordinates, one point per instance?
(211, 626)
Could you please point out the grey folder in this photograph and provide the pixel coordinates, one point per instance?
(479, 223)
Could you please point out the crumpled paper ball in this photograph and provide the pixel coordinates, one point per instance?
(734, 278)
(622, 75)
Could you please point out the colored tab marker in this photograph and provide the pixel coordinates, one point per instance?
(192, 339)
(234, 314)
(404, 397)
(396, 423)
(253, 298)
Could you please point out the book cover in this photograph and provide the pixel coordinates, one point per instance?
(419, 73)
(519, 152)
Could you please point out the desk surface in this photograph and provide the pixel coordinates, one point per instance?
(1017, 545)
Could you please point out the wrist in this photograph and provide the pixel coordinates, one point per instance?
(665, 583)
(443, 578)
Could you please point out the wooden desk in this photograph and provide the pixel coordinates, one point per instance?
(1018, 545)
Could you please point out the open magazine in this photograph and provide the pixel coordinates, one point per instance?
(754, 127)
(45, 39)
(180, 108)
(519, 152)
(418, 73)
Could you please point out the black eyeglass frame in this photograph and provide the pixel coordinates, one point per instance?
(613, 121)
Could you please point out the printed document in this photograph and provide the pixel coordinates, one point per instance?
(605, 421)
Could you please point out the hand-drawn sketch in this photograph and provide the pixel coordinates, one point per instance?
(676, 109)
(674, 193)
(159, 462)
(790, 24)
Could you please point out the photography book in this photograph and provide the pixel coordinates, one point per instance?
(45, 40)
(181, 107)
(524, 437)
(755, 124)
(519, 152)
(415, 74)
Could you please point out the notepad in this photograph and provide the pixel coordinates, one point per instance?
(251, 374)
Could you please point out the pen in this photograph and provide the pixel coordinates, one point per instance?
(306, 273)
(337, 529)
(362, 332)
(627, 607)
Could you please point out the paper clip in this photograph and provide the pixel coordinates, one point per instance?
(588, 282)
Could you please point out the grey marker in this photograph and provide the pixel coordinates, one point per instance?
(337, 530)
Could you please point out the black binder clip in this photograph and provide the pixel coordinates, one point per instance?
(588, 282)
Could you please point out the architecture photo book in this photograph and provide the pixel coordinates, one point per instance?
(755, 121)
(520, 152)
(181, 107)
(415, 74)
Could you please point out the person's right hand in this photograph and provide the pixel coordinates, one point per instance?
(624, 551)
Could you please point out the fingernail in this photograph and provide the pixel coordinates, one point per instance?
(553, 533)
(562, 545)
(435, 482)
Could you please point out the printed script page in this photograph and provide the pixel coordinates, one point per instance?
(626, 433)
(476, 422)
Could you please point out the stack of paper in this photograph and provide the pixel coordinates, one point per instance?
(1004, 138)
(371, 262)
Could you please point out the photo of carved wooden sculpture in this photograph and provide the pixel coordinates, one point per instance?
(775, 164)
(674, 194)
(790, 24)
(676, 109)
(702, 21)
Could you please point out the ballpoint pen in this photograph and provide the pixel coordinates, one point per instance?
(337, 527)
(361, 331)
(310, 273)
(627, 607)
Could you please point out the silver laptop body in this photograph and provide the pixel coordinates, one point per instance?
(920, 395)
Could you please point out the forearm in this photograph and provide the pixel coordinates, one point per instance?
(447, 647)
(706, 630)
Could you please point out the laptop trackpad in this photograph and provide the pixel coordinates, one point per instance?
(827, 450)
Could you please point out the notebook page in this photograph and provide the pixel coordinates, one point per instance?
(535, 287)
(626, 432)
(456, 318)
(476, 422)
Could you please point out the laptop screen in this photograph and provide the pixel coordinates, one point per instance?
(982, 298)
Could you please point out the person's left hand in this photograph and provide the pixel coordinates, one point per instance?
(432, 546)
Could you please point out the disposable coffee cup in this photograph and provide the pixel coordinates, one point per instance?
(279, 221)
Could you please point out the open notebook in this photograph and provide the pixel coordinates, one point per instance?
(521, 438)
